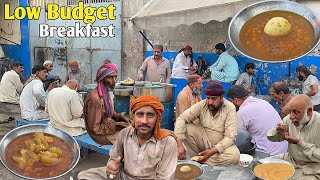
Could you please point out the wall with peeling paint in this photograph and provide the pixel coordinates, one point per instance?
(17, 32)
(133, 51)
(9, 29)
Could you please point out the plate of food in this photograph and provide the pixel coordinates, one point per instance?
(127, 82)
(273, 169)
(188, 169)
(196, 158)
(39, 151)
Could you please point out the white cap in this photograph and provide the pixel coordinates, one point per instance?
(47, 62)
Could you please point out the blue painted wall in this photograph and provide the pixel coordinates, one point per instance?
(21, 52)
(266, 73)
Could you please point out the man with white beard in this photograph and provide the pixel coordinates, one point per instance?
(301, 128)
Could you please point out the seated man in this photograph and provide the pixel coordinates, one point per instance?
(155, 68)
(102, 123)
(245, 79)
(33, 97)
(310, 86)
(65, 108)
(51, 80)
(77, 74)
(182, 67)
(257, 116)
(11, 85)
(280, 92)
(209, 128)
(225, 69)
(143, 150)
(190, 95)
(301, 128)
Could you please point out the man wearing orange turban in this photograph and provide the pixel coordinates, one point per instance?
(77, 74)
(148, 151)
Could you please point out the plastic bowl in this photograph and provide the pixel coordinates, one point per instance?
(245, 160)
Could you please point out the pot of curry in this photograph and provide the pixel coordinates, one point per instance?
(39, 151)
(274, 31)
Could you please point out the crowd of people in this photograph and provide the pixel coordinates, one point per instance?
(207, 128)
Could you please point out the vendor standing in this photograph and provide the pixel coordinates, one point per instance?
(155, 68)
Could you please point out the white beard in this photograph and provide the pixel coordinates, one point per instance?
(197, 91)
(302, 122)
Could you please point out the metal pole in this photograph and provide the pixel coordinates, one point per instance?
(146, 38)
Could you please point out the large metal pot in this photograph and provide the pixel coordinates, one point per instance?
(247, 13)
(165, 92)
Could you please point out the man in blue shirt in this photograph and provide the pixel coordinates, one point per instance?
(225, 69)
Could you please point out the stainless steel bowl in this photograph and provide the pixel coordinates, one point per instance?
(247, 13)
(191, 162)
(165, 92)
(268, 160)
(39, 128)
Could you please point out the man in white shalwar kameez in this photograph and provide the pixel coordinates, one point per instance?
(65, 108)
(182, 67)
(33, 97)
(11, 85)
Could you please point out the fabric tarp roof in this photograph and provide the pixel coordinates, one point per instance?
(161, 13)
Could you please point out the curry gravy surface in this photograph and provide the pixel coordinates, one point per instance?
(38, 169)
(256, 43)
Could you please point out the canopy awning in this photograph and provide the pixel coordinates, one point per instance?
(161, 13)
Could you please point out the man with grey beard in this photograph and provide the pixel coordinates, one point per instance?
(190, 95)
(301, 128)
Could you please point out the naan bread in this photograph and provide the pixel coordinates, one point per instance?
(196, 158)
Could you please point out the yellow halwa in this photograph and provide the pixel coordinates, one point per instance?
(274, 171)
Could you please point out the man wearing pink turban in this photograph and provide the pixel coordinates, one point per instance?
(102, 122)
(209, 128)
